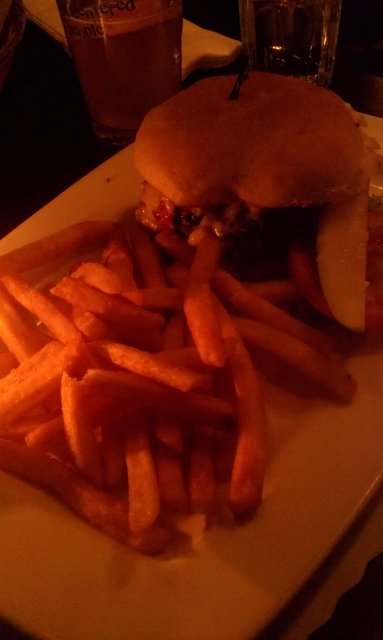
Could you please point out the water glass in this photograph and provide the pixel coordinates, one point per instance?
(291, 37)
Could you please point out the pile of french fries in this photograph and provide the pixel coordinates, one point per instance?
(131, 387)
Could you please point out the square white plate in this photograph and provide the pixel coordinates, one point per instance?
(62, 580)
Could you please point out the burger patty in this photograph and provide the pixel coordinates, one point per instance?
(259, 251)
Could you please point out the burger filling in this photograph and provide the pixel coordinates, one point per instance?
(256, 241)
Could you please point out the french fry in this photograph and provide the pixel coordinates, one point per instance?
(99, 276)
(246, 483)
(249, 464)
(20, 428)
(36, 379)
(20, 335)
(112, 452)
(79, 432)
(200, 305)
(202, 483)
(139, 325)
(144, 495)
(106, 410)
(174, 332)
(79, 294)
(62, 305)
(83, 236)
(147, 258)
(49, 438)
(177, 275)
(206, 258)
(224, 451)
(145, 364)
(91, 326)
(170, 479)
(98, 508)
(7, 363)
(175, 246)
(51, 404)
(162, 298)
(234, 293)
(327, 374)
(60, 327)
(117, 257)
(153, 541)
(44, 431)
(185, 357)
(135, 388)
(279, 292)
(168, 429)
(201, 316)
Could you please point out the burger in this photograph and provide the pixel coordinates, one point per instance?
(273, 165)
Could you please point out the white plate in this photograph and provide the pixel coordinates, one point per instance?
(60, 579)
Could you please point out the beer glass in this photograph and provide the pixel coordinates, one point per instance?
(127, 55)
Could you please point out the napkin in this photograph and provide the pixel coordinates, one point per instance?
(201, 48)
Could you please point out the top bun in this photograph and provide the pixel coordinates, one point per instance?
(281, 142)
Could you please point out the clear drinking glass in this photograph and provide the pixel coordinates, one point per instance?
(127, 55)
(291, 37)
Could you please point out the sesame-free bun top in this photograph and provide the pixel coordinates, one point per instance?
(282, 142)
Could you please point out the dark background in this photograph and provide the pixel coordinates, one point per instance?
(46, 140)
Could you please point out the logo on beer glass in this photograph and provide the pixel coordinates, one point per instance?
(92, 20)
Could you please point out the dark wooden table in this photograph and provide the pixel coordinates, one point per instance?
(46, 142)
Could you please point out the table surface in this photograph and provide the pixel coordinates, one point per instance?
(47, 143)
